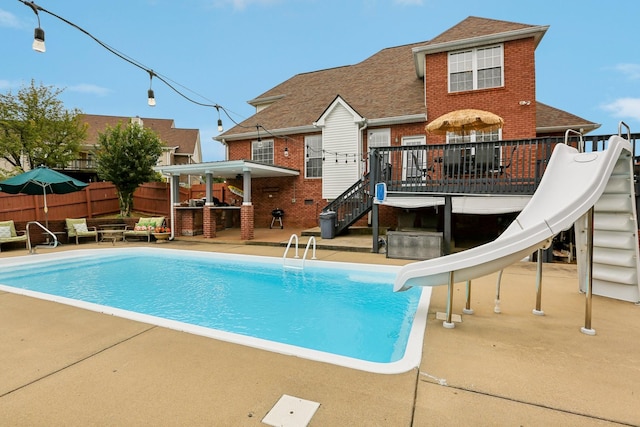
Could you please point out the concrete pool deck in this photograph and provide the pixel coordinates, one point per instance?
(61, 365)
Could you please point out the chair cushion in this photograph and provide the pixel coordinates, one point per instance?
(70, 222)
(5, 232)
(81, 228)
(11, 226)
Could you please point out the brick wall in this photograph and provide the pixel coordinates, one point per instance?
(519, 85)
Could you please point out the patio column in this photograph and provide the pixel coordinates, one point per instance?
(209, 180)
(246, 185)
(246, 210)
(208, 216)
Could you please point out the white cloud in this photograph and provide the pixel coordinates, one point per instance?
(409, 2)
(8, 20)
(630, 70)
(624, 108)
(89, 89)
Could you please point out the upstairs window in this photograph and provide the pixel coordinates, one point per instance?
(473, 69)
(262, 151)
(313, 156)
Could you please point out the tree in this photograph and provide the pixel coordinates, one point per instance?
(126, 155)
(36, 129)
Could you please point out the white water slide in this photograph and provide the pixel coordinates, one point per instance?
(572, 184)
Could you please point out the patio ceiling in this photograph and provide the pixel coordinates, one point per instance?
(228, 169)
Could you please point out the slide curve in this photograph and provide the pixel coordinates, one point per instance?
(572, 183)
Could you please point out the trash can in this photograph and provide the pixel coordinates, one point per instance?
(328, 225)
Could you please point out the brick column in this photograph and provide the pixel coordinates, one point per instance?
(246, 222)
(208, 221)
(177, 229)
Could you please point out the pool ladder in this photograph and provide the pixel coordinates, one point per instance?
(293, 237)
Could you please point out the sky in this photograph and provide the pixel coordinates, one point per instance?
(227, 52)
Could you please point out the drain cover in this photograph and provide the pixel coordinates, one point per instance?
(291, 411)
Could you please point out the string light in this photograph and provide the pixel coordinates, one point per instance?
(39, 46)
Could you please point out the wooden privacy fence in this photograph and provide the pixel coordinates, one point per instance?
(98, 199)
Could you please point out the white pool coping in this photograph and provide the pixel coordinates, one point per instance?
(410, 360)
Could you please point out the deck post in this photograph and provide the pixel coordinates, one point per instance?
(448, 210)
(374, 174)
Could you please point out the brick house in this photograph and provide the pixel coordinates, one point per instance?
(323, 123)
(181, 146)
(317, 130)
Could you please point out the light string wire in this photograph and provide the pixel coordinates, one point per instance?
(37, 8)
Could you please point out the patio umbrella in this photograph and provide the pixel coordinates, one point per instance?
(464, 121)
(41, 180)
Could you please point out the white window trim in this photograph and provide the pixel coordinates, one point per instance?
(319, 155)
(370, 136)
(406, 163)
(264, 141)
(474, 67)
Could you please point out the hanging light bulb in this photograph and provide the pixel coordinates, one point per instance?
(220, 128)
(150, 95)
(286, 151)
(38, 40)
(152, 98)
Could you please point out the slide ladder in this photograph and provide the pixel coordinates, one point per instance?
(294, 237)
(616, 254)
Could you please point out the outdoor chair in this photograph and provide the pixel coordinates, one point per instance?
(486, 159)
(77, 228)
(420, 167)
(8, 233)
(144, 228)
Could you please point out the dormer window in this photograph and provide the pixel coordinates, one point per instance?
(478, 68)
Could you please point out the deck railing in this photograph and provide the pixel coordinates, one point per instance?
(497, 167)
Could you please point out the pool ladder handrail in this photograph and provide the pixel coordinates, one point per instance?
(293, 237)
(32, 249)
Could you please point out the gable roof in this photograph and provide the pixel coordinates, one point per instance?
(386, 88)
(382, 87)
(474, 31)
(187, 140)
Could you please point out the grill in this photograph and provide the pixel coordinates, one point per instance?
(276, 215)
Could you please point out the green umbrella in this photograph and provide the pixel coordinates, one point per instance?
(41, 180)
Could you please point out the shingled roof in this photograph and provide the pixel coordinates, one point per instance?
(386, 85)
(382, 86)
(550, 119)
(474, 28)
(184, 139)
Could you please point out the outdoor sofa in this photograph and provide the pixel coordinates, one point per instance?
(144, 228)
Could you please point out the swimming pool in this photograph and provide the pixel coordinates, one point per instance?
(341, 313)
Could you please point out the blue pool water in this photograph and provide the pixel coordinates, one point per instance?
(346, 310)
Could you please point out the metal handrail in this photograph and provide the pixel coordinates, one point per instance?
(580, 141)
(32, 249)
(294, 237)
(306, 250)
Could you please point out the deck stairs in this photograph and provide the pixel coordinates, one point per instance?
(351, 205)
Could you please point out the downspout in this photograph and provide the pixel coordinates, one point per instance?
(172, 207)
(361, 129)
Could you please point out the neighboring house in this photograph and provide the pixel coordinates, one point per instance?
(181, 146)
(324, 123)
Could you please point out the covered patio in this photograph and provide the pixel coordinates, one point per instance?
(184, 220)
